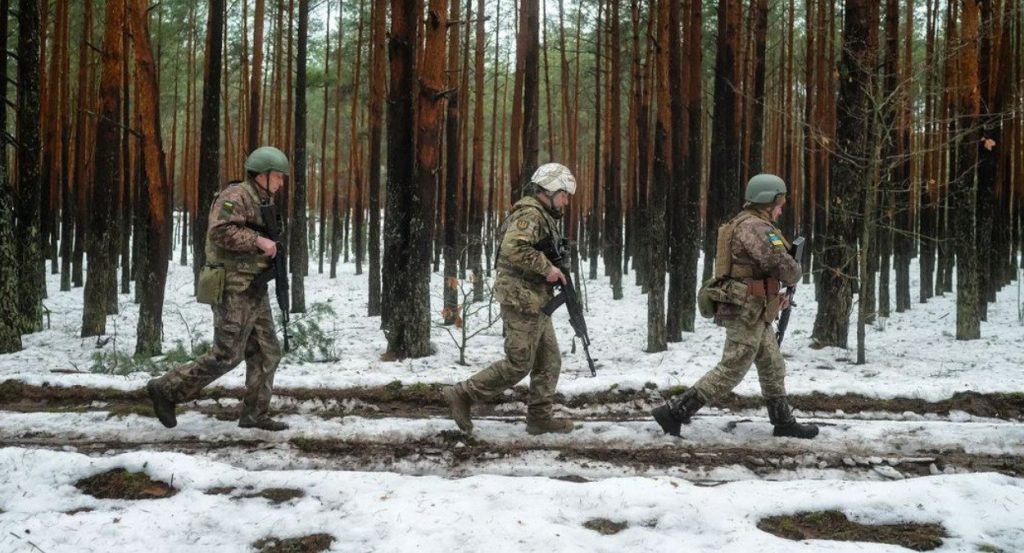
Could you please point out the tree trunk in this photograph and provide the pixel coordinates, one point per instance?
(964, 188)
(724, 188)
(154, 278)
(848, 165)
(613, 169)
(529, 40)
(377, 92)
(594, 231)
(298, 258)
(452, 206)
(412, 172)
(10, 319)
(656, 335)
(105, 176)
(759, 18)
(209, 134)
(476, 212)
(253, 134)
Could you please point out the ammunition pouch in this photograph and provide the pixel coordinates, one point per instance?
(210, 290)
(765, 288)
(718, 290)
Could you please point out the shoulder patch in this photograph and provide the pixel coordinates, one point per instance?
(522, 224)
(775, 240)
(227, 209)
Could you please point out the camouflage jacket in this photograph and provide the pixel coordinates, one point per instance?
(229, 239)
(759, 251)
(522, 268)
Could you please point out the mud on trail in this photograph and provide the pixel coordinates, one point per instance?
(424, 446)
(412, 400)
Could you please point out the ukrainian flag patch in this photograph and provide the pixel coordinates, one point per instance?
(775, 240)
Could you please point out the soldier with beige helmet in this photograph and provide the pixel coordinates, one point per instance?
(523, 286)
(753, 266)
(236, 253)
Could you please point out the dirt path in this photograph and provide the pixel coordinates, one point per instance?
(614, 435)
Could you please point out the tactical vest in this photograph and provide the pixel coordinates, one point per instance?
(240, 267)
(499, 263)
(724, 266)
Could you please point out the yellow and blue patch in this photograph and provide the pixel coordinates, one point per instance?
(775, 240)
(227, 209)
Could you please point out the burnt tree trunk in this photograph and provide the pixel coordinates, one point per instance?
(377, 92)
(209, 134)
(848, 166)
(298, 254)
(105, 176)
(153, 268)
(10, 319)
(613, 171)
(30, 259)
(656, 335)
(413, 131)
(726, 151)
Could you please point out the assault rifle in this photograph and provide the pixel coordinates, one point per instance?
(557, 254)
(278, 270)
(797, 251)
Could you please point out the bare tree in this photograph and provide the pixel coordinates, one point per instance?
(848, 165)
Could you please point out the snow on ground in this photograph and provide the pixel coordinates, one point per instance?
(915, 356)
(392, 512)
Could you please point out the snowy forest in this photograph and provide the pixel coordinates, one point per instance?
(412, 127)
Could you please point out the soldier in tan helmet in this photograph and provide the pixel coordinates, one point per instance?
(522, 287)
(754, 266)
(236, 252)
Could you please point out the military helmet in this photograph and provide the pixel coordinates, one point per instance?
(266, 158)
(554, 177)
(763, 188)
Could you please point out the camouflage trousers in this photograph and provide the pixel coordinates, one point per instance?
(530, 349)
(243, 328)
(746, 344)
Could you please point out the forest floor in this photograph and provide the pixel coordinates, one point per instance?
(849, 450)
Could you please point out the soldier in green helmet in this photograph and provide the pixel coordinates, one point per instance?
(237, 250)
(523, 287)
(752, 268)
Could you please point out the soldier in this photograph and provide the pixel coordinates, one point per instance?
(522, 287)
(236, 252)
(754, 266)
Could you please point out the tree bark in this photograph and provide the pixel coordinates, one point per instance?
(964, 188)
(724, 188)
(10, 319)
(154, 277)
(298, 258)
(656, 335)
(848, 165)
(377, 92)
(209, 133)
(613, 169)
(413, 160)
(253, 134)
(105, 176)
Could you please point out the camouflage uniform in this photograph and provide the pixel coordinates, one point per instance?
(243, 323)
(759, 252)
(520, 287)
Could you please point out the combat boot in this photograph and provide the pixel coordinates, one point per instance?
(785, 424)
(678, 411)
(548, 426)
(163, 407)
(459, 404)
(264, 423)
